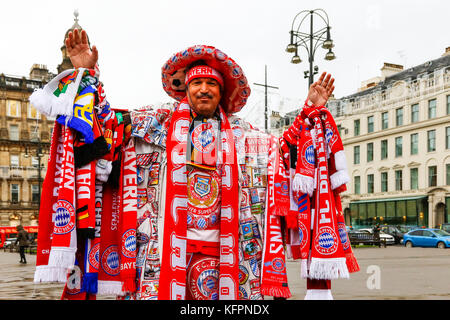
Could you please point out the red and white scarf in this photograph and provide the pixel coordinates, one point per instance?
(273, 267)
(128, 219)
(50, 188)
(327, 256)
(64, 240)
(172, 284)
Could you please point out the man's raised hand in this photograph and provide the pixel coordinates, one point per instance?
(321, 90)
(79, 52)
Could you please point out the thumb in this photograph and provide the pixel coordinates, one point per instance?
(95, 53)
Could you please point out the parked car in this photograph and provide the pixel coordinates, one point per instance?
(383, 236)
(406, 229)
(393, 231)
(9, 242)
(427, 238)
(445, 227)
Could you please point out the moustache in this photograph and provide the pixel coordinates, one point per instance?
(204, 95)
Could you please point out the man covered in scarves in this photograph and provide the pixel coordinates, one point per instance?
(218, 201)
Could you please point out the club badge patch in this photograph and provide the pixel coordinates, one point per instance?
(204, 279)
(203, 191)
(111, 261)
(343, 235)
(129, 243)
(64, 217)
(203, 137)
(326, 241)
(308, 156)
(93, 257)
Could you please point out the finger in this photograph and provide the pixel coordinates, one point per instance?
(77, 38)
(83, 37)
(95, 53)
(326, 81)
(330, 84)
(321, 77)
(330, 91)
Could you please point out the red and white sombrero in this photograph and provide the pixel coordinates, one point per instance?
(236, 89)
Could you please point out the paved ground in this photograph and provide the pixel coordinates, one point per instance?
(386, 273)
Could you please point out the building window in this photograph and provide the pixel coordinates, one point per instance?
(447, 138)
(398, 180)
(414, 178)
(356, 155)
(14, 160)
(415, 112)
(431, 109)
(399, 117)
(14, 193)
(370, 124)
(431, 138)
(35, 193)
(32, 112)
(447, 171)
(370, 183)
(448, 104)
(432, 176)
(357, 183)
(356, 127)
(13, 108)
(14, 132)
(384, 120)
(414, 143)
(384, 182)
(398, 146)
(384, 149)
(370, 152)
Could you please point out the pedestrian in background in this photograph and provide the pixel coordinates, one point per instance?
(376, 232)
(22, 239)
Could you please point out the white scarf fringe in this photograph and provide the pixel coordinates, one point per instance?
(109, 287)
(323, 268)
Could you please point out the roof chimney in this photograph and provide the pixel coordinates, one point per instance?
(447, 52)
(390, 69)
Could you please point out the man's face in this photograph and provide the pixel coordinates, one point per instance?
(204, 95)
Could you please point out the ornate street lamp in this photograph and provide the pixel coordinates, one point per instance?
(310, 41)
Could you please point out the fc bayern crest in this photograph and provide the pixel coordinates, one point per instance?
(330, 134)
(308, 156)
(129, 243)
(64, 217)
(203, 137)
(343, 235)
(326, 241)
(93, 256)
(111, 261)
(303, 234)
(204, 279)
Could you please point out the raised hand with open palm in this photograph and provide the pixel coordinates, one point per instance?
(79, 52)
(321, 90)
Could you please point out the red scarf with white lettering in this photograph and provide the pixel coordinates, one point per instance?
(172, 284)
(64, 240)
(128, 219)
(327, 255)
(109, 281)
(50, 189)
(273, 267)
(85, 186)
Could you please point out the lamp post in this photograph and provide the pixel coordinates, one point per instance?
(310, 41)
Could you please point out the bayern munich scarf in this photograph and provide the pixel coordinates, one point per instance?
(327, 256)
(172, 285)
(64, 238)
(50, 192)
(273, 268)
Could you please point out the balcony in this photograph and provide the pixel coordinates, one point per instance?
(21, 172)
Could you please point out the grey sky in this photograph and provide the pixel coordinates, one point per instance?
(135, 38)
